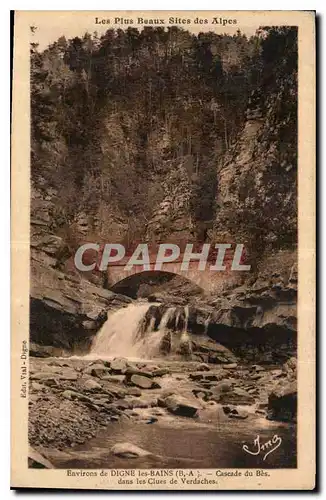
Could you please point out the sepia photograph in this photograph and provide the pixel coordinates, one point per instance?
(163, 248)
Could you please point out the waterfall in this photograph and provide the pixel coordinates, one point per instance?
(207, 320)
(166, 317)
(130, 332)
(119, 336)
(186, 311)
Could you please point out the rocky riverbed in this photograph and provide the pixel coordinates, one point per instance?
(72, 400)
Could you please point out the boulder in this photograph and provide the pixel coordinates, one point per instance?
(133, 391)
(282, 402)
(211, 351)
(68, 394)
(103, 400)
(59, 362)
(34, 398)
(160, 372)
(222, 387)
(116, 379)
(238, 413)
(42, 351)
(179, 405)
(240, 392)
(225, 393)
(166, 342)
(260, 412)
(203, 367)
(156, 297)
(201, 393)
(277, 373)
(68, 374)
(97, 370)
(291, 364)
(122, 404)
(100, 362)
(142, 402)
(290, 368)
(115, 389)
(196, 376)
(129, 450)
(51, 376)
(214, 377)
(185, 346)
(227, 409)
(137, 371)
(143, 382)
(235, 398)
(119, 366)
(235, 412)
(257, 368)
(50, 368)
(161, 399)
(37, 387)
(92, 385)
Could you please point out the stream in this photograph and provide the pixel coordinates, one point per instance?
(185, 445)
(132, 339)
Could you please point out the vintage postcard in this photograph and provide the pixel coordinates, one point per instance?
(163, 250)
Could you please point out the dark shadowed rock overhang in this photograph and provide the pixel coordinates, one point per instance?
(66, 310)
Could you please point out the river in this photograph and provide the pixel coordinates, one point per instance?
(210, 440)
(185, 444)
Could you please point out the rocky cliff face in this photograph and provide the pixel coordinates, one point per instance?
(260, 321)
(171, 219)
(185, 169)
(257, 178)
(257, 205)
(257, 322)
(66, 309)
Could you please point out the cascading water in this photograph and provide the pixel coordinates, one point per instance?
(119, 336)
(126, 333)
(186, 310)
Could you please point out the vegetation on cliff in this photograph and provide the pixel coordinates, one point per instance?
(257, 196)
(119, 120)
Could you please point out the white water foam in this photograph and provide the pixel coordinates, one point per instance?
(122, 334)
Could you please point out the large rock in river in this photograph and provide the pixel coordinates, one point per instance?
(179, 405)
(97, 370)
(119, 365)
(143, 382)
(129, 450)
